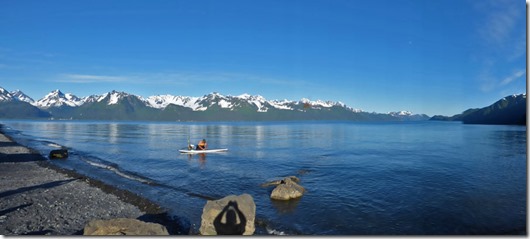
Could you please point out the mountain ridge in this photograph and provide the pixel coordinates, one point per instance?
(117, 105)
(510, 110)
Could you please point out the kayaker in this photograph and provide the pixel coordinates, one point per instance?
(202, 145)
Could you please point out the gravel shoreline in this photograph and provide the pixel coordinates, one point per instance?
(38, 198)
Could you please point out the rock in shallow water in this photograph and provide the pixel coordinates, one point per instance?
(58, 154)
(287, 189)
(280, 181)
(124, 226)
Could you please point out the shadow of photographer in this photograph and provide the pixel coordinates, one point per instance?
(231, 215)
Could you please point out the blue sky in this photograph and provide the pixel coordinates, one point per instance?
(432, 57)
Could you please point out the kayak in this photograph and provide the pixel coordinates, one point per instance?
(193, 151)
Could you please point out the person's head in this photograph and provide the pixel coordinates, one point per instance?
(231, 218)
(204, 140)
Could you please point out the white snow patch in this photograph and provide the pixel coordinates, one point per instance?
(102, 97)
(162, 101)
(244, 96)
(400, 113)
(224, 104)
(56, 99)
(282, 105)
(114, 99)
(19, 95)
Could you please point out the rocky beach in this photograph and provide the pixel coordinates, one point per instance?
(38, 198)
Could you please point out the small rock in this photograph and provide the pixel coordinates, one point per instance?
(58, 154)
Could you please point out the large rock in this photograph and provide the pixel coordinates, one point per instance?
(231, 215)
(123, 226)
(287, 189)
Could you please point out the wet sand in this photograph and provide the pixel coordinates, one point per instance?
(38, 198)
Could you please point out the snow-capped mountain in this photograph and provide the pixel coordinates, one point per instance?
(116, 105)
(57, 98)
(401, 113)
(16, 95)
(5, 95)
(407, 115)
(90, 99)
(19, 95)
(260, 102)
(232, 102)
(114, 97)
(318, 103)
(162, 101)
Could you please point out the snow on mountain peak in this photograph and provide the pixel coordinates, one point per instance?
(305, 100)
(19, 95)
(162, 101)
(115, 96)
(90, 99)
(401, 113)
(214, 95)
(282, 105)
(257, 100)
(56, 92)
(251, 97)
(5, 95)
(317, 103)
(515, 96)
(244, 96)
(56, 98)
(16, 95)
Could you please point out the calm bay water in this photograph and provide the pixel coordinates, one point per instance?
(400, 178)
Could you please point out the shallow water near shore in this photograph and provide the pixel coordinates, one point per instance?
(392, 178)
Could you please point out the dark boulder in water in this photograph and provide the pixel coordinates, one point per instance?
(58, 154)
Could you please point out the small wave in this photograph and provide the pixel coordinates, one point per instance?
(119, 172)
(275, 232)
(55, 145)
(265, 226)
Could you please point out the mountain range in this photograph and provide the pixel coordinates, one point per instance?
(510, 110)
(117, 105)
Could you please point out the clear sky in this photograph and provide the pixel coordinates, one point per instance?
(432, 57)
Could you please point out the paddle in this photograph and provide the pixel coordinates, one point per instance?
(189, 145)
